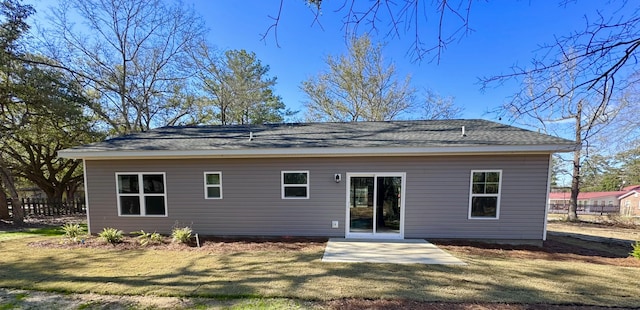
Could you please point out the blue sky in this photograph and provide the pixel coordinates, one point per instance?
(506, 32)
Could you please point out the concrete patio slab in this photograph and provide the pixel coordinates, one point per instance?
(409, 251)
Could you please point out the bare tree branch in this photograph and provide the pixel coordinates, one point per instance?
(399, 17)
(133, 55)
(582, 77)
(605, 54)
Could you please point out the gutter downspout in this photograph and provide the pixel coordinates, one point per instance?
(546, 203)
(86, 194)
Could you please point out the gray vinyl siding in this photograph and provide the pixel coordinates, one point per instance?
(436, 196)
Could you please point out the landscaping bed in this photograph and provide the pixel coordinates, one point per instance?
(556, 248)
(207, 244)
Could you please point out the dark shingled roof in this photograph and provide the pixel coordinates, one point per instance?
(390, 134)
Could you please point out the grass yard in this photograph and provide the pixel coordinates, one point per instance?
(225, 271)
(601, 226)
(30, 232)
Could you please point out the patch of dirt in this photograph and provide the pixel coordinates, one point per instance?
(208, 244)
(605, 229)
(42, 222)
(554, 249)
(357, 304)
(22, 299)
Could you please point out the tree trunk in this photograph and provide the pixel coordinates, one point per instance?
(58, 194)
(71, 191)
(575, 188)
(4, 207)
(16, 208)
(575, 179)
(16, 204)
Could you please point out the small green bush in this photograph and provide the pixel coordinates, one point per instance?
(72, 232)
(181, 234)
(636, 250)
(111, 235)
(145, 238)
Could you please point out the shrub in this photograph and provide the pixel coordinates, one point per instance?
(619, 221)
(111, 235)
(181, 234)
(636, 250)
(73, 232)
(145, 238)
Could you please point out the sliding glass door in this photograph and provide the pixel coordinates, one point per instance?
(375, 205)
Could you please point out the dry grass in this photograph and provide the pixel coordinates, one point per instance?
(600, 226)
(612, 219)
(298, 273)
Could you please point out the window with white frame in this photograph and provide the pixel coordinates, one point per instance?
(213, 185)
(484, 197)
(141, 194)
(295, 184)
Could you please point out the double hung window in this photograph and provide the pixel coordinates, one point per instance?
(295, 184)
(141, 194)
(213, 185)
(484, 197)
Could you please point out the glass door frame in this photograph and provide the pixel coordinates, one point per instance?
(374, 234)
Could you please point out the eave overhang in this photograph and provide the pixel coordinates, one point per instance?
(314, 152)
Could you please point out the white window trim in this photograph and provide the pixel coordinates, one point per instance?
(206, 186)
(282, 185)
(471, 195)
(141, 195)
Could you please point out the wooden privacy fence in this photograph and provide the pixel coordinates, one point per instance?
(43, 206)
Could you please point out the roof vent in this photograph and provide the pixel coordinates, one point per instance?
(250, 135)
(463, 133)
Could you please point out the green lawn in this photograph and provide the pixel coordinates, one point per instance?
(31, 232)
(301, 275)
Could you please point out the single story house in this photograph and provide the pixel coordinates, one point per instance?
(630, 201)
(471, 179)
(587, 201)
(597, 202)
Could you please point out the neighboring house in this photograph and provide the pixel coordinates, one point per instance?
(630, 201)
(588, 202)
(595, 202)
(471, 179)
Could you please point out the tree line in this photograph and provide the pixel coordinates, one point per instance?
(138, 64)
(134, 65)
(612, 172)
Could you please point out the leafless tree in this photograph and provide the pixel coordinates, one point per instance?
(603, 55)
(583, 77)
(395, 18)
(557, 106)
(358, 86)
(131, 55)
(361, 85)
(437, 107)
